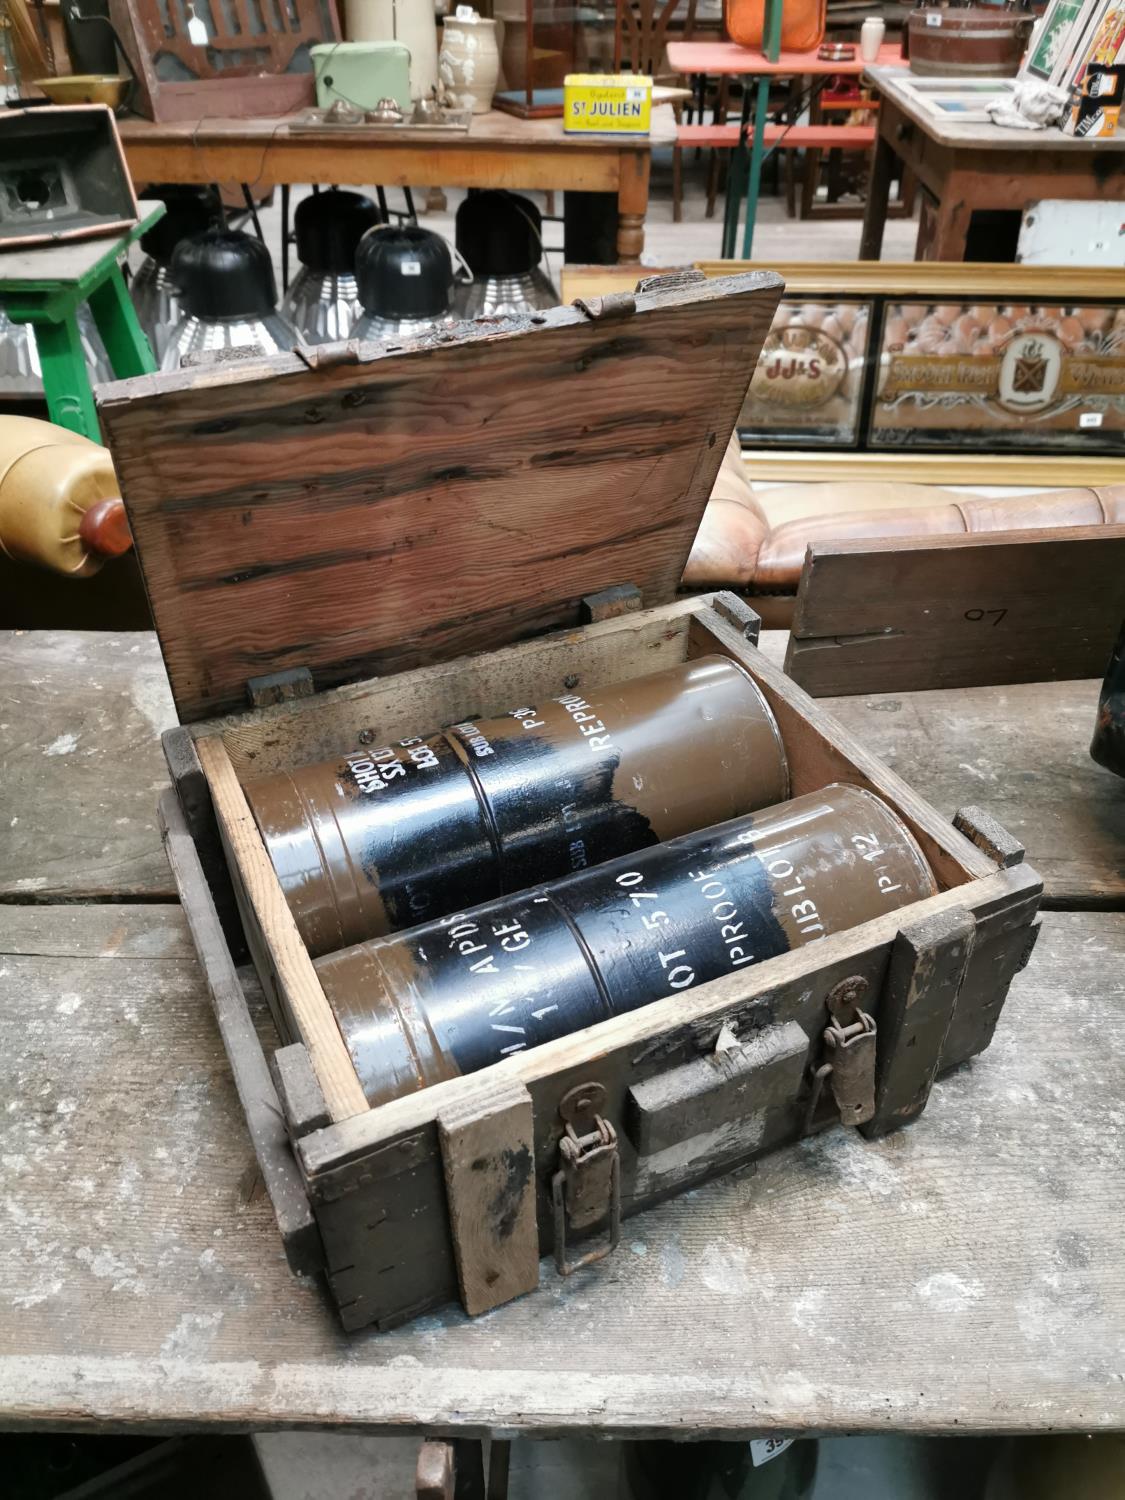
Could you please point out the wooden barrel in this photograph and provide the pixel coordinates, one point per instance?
(976, 41)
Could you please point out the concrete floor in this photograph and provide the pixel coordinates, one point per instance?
(323, 1466)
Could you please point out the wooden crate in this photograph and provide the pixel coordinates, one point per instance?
(451, 1191)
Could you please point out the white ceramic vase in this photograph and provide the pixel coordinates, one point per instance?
(470, 59)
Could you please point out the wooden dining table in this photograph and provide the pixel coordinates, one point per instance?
(967, 166)
(498, 151)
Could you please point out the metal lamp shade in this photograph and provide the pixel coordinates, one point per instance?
(229, 300)
(21, 373)
(405, 282)
(499, 236)
(155, 294)
(323, 304)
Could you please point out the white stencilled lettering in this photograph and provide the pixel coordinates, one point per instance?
(593, 730)
(476, 739)
(723, 909)
(527, 718)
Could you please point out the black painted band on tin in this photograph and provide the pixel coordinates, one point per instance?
(522, 970)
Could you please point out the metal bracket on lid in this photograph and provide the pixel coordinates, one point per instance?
(341, 352)
(611, 308)
(611, 603)
(587, 1186)
(849, 1056)
(671, 281)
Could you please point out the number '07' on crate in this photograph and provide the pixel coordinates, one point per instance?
(317, 542)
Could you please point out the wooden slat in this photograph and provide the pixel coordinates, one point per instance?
(787, 137)
(286, 517)
(264, 1119)
(417, 702)
(954, 611)
(308, 1008)
(488, 1155)
(940, 281)
(1052, 471)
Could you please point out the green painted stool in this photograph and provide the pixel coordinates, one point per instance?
(45, 285)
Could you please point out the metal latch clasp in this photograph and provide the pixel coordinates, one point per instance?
(587, 1186)
(849, 1055)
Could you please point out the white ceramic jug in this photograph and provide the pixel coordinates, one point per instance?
(470, 59)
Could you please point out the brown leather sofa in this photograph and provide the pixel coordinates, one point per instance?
(755, 541)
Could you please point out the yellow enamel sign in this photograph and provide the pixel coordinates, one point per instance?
(616, 103)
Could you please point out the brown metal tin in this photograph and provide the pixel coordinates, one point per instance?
(393, 836)
(461, 993)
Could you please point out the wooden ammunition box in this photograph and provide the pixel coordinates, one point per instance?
(307, 523)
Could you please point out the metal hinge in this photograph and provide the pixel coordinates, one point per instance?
(608, 309)
(587, 1186)
(849, 1056)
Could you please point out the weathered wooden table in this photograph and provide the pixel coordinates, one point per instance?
(964, 1275)
(967, 166)
(499, 151)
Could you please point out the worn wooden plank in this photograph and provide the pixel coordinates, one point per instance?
(305, 1003)
(264, 1119)
(928, 964)
(104, 930)
(488, 1155)
(572, 455)
(427, 698)
(143, 1284)
(80, 716)
(905, 613)
(1021, 753)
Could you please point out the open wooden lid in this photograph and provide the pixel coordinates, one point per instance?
(358, 511)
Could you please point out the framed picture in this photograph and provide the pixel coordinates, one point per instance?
(962, 99)
(1102, 41)
(1054, 38)
(999, 375)
(895, 361)
(808, 385)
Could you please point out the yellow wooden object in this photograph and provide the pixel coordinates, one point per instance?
(607, 103)
(49, 478)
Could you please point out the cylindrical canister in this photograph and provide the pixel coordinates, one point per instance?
(396, 835)
(455, 995)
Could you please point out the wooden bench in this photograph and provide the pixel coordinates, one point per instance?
(790, 137)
